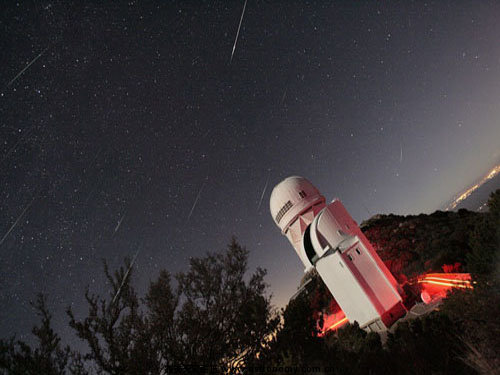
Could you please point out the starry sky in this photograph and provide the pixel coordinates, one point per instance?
(127, 128)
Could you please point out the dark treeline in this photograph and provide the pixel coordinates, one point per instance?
(216, 316)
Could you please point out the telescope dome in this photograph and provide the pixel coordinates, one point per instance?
(290, 198)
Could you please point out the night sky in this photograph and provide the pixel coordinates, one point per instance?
(132, 130)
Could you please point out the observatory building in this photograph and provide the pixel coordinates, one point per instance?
(327, 238)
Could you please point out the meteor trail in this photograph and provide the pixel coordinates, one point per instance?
(95, 158)
(26, 67)
(263, 192)
(120, 222)
(238, 32)
(17, 143)
(17, 221)
(196, 200)
(401, 156)
(90, 194)
(125, 278)
(284, 95)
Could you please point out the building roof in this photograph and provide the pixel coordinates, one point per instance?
(291, 197)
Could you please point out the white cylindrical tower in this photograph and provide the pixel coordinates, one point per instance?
(326, 237)
(293, 204)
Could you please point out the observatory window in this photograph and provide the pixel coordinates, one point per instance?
(350, 257)
(283, 211)
(308, 246)
(302, 194)
(357, 250)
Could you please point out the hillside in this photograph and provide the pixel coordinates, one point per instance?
(467, 324)
(410, 245)
(215, 316)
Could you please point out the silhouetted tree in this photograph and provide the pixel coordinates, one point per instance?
(116, 331)
(224, 321)
(425, 346)
(476, 311)
(485, 240)
(213, 317)
(48, 357)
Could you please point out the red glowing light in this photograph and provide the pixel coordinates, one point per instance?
(437, 285)
(453, 285)
(434, 286)
(454, 280)
(458, 277)
(340, 323)
(333, 322)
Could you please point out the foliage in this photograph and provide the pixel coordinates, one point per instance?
(352, 350)
(296, 341)
(411, 245)
(17, 357)
(116, 331)
(214, 315)
(476, 312)
(485, 240)
(224, 320)
(426, 345)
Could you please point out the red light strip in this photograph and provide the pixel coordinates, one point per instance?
(454, 285)
(444, 282)
(446, 279)
(458, 281)
(454, 280)
(337, 324)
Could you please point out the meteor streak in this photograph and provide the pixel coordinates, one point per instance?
(17, 143)
(238, 32)
(26, 67)
(17, 221)
(263, 192)
(196, 201)
(120, 223)
(125, 278)
(284, 96)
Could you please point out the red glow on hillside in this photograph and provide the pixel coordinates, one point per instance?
(437, 285)
(333, 322)
(431, 286)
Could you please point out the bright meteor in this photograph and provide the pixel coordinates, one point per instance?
(238, 32)
(26, 67)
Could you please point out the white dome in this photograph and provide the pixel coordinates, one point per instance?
(290, 198)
